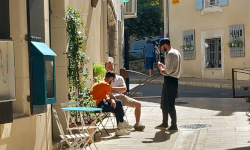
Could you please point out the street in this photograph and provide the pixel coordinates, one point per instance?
(225, 124)
(151, 89)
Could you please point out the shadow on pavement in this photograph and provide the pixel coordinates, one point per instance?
(160, 136)
(240, 148)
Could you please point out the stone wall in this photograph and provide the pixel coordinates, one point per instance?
(139, 65)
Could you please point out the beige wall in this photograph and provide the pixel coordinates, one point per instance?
(34, 131)
(26, 131)
(95, 19)
(207, 24)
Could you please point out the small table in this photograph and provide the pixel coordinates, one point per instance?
(83, 126)
(87, 109)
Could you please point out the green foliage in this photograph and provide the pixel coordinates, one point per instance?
(148, 21)
(132, 58)
(99, 70)
(248, 99)
(77, 72)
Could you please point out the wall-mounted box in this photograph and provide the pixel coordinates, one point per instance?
(7, 72)
(43, 68)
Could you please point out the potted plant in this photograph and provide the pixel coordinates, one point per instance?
(98, 71)
(239, 43)
(190, 47)
(229, 44)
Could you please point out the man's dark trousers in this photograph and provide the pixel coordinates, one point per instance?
(119, 111)
(169, 91)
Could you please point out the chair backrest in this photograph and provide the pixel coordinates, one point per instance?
(68, 104)
(59, 125)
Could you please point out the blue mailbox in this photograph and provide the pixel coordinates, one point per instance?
(43, 68)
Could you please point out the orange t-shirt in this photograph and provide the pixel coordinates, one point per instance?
(99, 91)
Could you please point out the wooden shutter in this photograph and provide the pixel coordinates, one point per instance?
(236, 32)
(188, 40)
(198, 4)
(222, 2)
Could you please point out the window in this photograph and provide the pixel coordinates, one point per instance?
(210, 3)
(213, 53)
(201, 4)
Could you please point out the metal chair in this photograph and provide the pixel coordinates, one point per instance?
(105, 118)
(74, 141)
(73, 126)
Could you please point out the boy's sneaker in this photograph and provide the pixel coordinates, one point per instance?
(161, 127)
(124, 125)
(172, 128)
(120, 132)
(139, 127)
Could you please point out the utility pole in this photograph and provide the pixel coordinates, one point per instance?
(126, 51)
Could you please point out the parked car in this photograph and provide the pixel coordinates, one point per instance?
(137, 48)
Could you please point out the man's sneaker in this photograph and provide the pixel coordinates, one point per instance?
(161, 127)
(172, 128)
(124, 125)
(139, 127)
(120, 132)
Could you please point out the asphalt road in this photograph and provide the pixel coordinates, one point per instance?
(151, 89)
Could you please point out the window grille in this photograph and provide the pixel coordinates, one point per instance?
(213, 57)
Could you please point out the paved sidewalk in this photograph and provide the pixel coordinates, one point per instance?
(227, 127)
(204, 123)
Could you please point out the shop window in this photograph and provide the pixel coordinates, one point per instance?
(213, 53)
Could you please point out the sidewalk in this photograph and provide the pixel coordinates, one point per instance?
(225, 127)
(204, 123)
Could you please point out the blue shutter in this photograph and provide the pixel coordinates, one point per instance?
(198, 4)
(222, 2)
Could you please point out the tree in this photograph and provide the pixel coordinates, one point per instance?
(148, 21)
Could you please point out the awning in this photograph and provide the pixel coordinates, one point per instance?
(43, 49)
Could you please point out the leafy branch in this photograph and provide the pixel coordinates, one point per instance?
(77, 72)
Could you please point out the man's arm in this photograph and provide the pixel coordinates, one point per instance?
(111, 99)
(120, 89)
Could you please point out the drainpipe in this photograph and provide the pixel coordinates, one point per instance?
(28, 39)
(166, 18)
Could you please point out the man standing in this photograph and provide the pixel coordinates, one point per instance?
(101, 92)
(119, 87)
(149, 48)
(171, 71)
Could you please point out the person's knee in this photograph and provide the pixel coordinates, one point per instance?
(137, 105)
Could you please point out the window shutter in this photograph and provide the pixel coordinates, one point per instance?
(198, 4)
(222, 2)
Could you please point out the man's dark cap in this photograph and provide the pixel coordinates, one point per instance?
(164, 41)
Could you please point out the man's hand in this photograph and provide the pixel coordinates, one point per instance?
(113, 104)
(160, 66)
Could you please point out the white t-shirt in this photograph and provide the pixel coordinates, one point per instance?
(118, 82)
(173, 63)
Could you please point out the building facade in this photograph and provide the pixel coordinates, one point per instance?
(23, 124)
(211, 35)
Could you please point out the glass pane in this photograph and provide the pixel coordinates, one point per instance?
(49, 78)
(212, 2)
